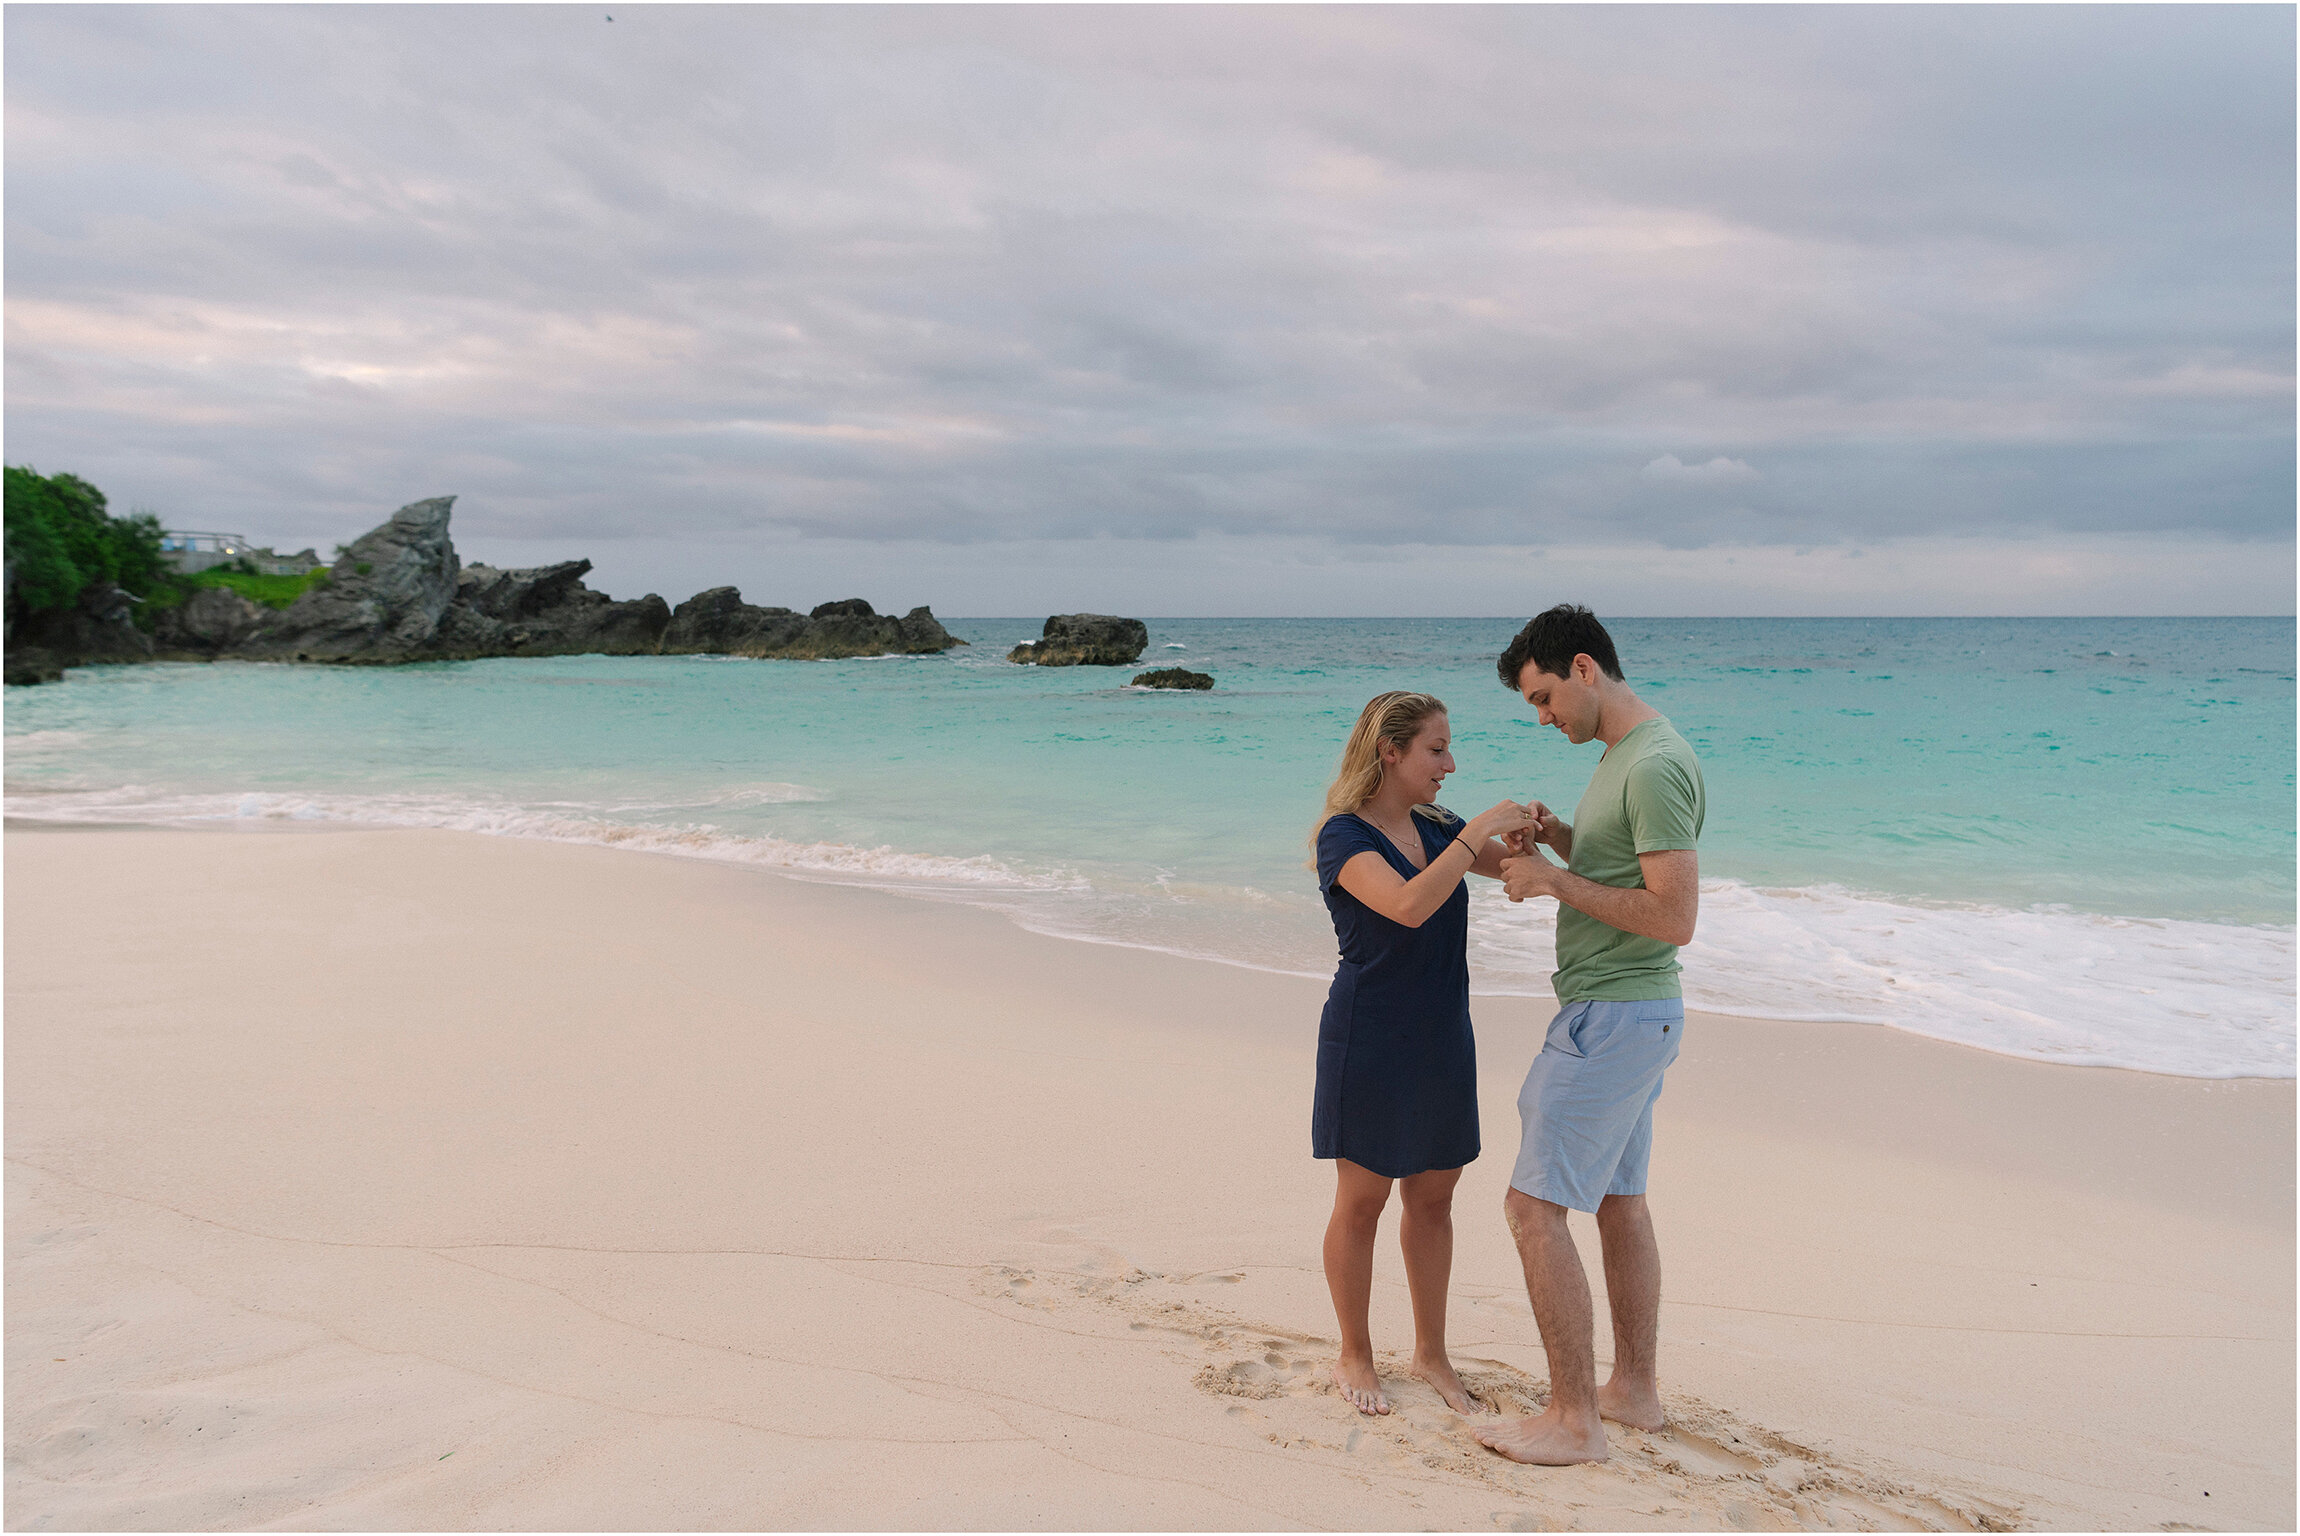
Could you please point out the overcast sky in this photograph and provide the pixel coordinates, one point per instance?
(1191, 310)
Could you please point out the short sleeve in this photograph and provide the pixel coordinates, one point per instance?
(1340, 840)
(1664, 802)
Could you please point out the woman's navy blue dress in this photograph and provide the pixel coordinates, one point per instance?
(1397, 1066)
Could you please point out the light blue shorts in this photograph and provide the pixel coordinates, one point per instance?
(1587, 1103)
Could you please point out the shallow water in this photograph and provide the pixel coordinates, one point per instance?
(2062, 838)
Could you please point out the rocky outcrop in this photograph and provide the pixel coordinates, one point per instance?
(719, 623)
(1173, 677)
(99, 628)
(205, 625)
(399, 593)
(1085, 640)
(383, 599)
(545, 610)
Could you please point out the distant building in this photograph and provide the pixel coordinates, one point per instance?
(191, 551)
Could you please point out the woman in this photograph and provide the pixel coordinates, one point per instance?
(1397, 1067)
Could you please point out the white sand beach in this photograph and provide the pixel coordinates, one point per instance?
(429, 1180)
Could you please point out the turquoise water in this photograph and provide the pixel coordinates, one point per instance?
(2071, 839)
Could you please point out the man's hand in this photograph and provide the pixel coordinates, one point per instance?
(1529, 874)
(1548, 827)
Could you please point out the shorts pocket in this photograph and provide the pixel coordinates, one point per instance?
(1565, 1030)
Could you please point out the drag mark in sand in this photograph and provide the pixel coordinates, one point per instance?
(1708, 1468)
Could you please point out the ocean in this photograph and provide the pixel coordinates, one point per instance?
(2071, 840)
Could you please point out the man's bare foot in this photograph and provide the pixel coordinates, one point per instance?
(1638, 1406)
(1438, 1371)
(1361, 1385)
(1544, 1440)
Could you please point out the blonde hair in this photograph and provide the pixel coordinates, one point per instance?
(1392, 717)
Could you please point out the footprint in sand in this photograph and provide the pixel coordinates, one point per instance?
(1707, 1468)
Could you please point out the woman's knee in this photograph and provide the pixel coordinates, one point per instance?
(1428, 1197)
(1359, 1196)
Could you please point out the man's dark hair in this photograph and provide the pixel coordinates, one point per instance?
(1551, 641)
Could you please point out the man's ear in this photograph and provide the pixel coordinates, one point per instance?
(1584, 670)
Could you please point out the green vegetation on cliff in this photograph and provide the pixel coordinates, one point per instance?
(60, 540)
(271, 591)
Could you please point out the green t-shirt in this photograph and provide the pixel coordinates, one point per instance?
(1646, 797)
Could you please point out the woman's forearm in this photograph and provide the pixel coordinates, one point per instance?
(1427, 891)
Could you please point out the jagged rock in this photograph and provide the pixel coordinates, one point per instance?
(922, 634)
(211, 621)
(1085, 640)
(545, 610)
(28, 668)
(100, 628)
(1173, 677)
(383, 599)
(720, 623)
(519, 594)
(717, 622)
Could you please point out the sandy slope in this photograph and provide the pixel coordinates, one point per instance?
(420, 1180)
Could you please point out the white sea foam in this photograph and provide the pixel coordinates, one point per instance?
(2185, 998)
(566, 822)
(2154, 995)
(740, 797)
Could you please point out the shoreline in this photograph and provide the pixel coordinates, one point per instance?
(641, 839)
(645, 1193)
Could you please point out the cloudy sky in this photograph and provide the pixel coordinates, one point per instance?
(1191, 310)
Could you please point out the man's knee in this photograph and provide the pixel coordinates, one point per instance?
(1621, 1211)
(1529, 1217)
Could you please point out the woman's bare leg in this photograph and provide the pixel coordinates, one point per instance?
(1425, 1231)
(1359, 1195)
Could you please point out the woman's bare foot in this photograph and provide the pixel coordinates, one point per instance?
(1438, 1371)
(1637, 1405)
(1361, 1384)
(1545, 1440)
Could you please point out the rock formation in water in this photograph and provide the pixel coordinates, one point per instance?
(383, 599)
(98, 628)
(546, 610)
(212, 621)
(1085, 640)
(1173, 677)
(720, 623)
(398, 593)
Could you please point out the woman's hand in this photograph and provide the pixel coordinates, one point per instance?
(1496, 835)
(1501, 821)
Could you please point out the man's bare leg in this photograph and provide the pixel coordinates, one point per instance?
(1359, 1195)
(1425, 1231)
(1633, 1287)
(1568, 1430)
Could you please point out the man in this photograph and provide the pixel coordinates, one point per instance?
(1627, 897)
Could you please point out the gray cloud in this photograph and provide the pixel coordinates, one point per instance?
(971, 276)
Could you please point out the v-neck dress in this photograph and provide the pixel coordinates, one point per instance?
(1397, 1064)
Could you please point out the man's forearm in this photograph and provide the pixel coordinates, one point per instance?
(1630, 908)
